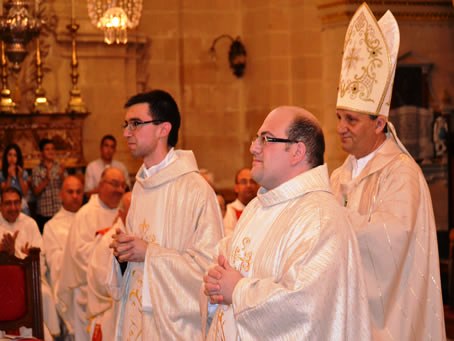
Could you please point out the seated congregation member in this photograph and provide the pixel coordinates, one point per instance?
(47, 178)
(172, 228)
(385, 193)
(13, 173)
(98, 213)
(101, 308)
(18, 233)
(246, 190)
(292, 269)
(56, 230)
(95, 168)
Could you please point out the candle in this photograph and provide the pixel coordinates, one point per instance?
(36, 7)
(73, 10)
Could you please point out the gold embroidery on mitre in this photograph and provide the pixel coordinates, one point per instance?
(360, 84)
(242, 256)
(368, 63)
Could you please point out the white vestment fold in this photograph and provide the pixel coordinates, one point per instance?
(176, 212)
(391, 211)
(72, 288)
(301, 266)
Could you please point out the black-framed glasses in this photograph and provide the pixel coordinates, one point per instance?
(134, 124)
(116, 184)
(264, 139)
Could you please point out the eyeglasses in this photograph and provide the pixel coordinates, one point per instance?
(116, 184)
(264, 139)
(134, 124)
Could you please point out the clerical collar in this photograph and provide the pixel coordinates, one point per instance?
(170, 157)
(359, 164)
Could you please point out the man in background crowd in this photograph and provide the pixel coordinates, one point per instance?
(47, 179)
(246, 190)
(56, 230)
(98, 213)
(95, 168)
(18, 233)
(101, 307)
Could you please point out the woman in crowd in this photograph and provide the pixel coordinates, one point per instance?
(13, 173)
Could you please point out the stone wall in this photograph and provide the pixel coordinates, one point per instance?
(294, 54)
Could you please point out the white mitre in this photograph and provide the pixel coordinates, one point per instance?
(368, 63)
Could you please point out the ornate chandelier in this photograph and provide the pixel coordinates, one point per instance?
(17, 27)
(114, 17)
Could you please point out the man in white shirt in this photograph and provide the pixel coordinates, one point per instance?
(246, 190)
(292, 269)
(97, 214)
(384, 190)
(95, 168)
(18, 233)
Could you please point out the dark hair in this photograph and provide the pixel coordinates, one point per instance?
(310, 133)
(10, 189)
(44, 142)
(5, 165)
(162, 107)
(108, 137)
(238, 173)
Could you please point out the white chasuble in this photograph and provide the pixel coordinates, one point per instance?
(72, 288)
(176, 212)
(303, 277)
(391, 211)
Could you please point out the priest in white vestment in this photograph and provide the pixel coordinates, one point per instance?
(291, 270)
(384, 190)
(101, 308)
(172, 228)
(56, 230)
(98, 213)
(23, 233)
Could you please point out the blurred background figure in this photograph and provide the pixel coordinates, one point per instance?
(101, 307)
(246, 189)
(13, 174)
(47, 179)
(95, 168)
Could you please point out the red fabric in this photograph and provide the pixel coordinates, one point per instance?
(12, 293)
(103, 231)
(238, 213)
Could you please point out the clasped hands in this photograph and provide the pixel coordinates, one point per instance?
(128, 248)
(220, 281)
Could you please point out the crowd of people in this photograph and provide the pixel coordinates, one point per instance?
(298, 255)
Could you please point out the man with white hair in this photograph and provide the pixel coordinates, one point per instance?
(101, 307)
(384, 190)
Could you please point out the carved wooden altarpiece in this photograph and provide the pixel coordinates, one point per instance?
(65, 130)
